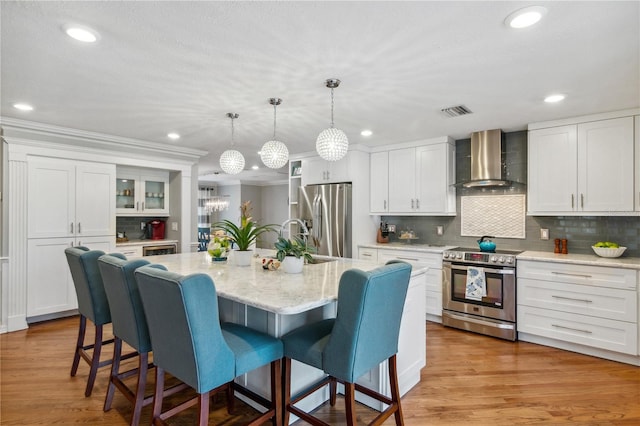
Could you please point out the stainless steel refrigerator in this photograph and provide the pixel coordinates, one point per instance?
(326, 211)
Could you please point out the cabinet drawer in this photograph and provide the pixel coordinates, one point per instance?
(365, 253)
(617, 336)
(434, 280)
(131, 252)
(434, 303)
(578, 274)
(598, 302)
(432, 260)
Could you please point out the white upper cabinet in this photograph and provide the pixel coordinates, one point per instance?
(420, 180)
(142, 193)
(584, 168)
(316, 170)
(379, 181)
(70, 199)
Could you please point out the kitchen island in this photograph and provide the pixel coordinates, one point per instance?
(276, 302)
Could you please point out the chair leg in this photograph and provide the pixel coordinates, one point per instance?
(203, 403)
(158, 394)
(333, 391)
(95, 361)
(76, 356)
(143, 368)
(276, 391)
(350, 403)
(395, 390)
(115, 370)
(286, 390)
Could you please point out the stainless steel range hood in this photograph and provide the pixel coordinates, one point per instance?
(486, 160)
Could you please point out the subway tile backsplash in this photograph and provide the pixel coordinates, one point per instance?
(131, 225)
(580, 231)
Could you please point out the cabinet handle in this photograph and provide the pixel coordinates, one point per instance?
(328, 175)
(417, 203)
(79, 228)
(573, 329)
(72, 227)
(366, 254)
(571, 275)
(571, 298)
(572, 201)
(385, 204)
(412, 203)
(582, 201)
(143, 206)
(408, 258)
(137, 205)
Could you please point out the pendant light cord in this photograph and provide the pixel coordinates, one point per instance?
(232, 131)
(274, 122)
(332, 107)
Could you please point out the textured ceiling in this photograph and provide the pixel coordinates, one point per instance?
(181, 66)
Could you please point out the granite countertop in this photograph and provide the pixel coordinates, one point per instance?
(145, 243)
(273, 291)
(425, 248)
(581, 259)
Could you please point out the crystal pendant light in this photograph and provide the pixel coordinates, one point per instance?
(332, 144)
(274, 154)
(232, 161)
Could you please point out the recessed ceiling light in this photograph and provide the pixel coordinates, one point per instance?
(554, 98)
(366, 133)
(173, 136)
(525, 17)
(23, 107)
(80, 33)
(255, 167)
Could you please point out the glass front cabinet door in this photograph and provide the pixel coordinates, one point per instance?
(142, 194)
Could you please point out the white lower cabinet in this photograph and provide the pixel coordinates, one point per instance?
(433, 277)
(50, 288)
(591, 306)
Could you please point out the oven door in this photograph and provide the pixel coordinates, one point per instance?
(500, 301)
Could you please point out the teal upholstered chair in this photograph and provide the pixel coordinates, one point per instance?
(129, 326)
(190, 343)
(92, 305)
(363, 334)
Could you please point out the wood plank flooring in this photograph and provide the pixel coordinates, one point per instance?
(469, 379)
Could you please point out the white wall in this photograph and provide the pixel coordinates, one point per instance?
(274, 209)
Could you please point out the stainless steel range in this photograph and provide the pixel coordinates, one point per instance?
(479, 291)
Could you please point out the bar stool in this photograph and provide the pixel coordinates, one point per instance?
(130, 326)
(190, 343)
(363, 334)
(92, 305)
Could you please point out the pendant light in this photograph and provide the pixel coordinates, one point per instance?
(332, 144)
(274, 154)
(232, 161)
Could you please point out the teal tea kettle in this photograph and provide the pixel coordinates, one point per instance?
(487, 245)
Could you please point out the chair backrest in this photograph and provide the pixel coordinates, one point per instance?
(127, 313)
(182, 315)
(92, 300)
(367, 324)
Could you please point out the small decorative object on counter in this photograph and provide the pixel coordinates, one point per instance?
(218, 247)
(293, 253)
(383, 233)
(408, 235)
(557, 248)
(608, 249)
(565, 249)
(486, 245)
(270, 264)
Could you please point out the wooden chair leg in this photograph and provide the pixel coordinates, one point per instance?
(395, 390)
(203, 404)
(286, 390)
(350, 403)
(115, 370)
(333, 391)
(143, 368)
(276, 391)
(95, 361)
(76, 356)
(158, 394)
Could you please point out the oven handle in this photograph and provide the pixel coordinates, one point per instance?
(481, 322)
(490, 270)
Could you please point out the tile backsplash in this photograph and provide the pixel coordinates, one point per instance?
(580, 231)
(131, 225)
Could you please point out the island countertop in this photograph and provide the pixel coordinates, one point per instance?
(273, 291)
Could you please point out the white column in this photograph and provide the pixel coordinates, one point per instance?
(17, 253)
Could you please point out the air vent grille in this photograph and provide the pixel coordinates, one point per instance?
(456, 111)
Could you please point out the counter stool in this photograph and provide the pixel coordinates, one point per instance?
(363, 334)
(190, 343)
(130, 326)
(92, 305)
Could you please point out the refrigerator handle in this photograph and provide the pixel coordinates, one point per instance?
(317, 216)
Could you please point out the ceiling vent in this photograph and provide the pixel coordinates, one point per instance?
(456, 111)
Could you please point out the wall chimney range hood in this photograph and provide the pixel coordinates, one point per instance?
(486, 160)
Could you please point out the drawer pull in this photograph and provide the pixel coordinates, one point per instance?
(571, 298)
(571, 275)
(573, 329)
(408, 258)
(366, 254)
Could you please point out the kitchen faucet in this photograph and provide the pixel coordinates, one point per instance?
(305, 230)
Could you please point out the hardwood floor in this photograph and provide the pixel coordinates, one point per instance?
(469, 379)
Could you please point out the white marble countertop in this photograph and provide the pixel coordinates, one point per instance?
(273, 291)
(425, 248)
(131, 243)
(581, 259)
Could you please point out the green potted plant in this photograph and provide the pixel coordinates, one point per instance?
(243, 236)
(219, 246)
(293, 253)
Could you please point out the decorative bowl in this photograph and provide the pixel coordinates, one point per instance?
(608, 251)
